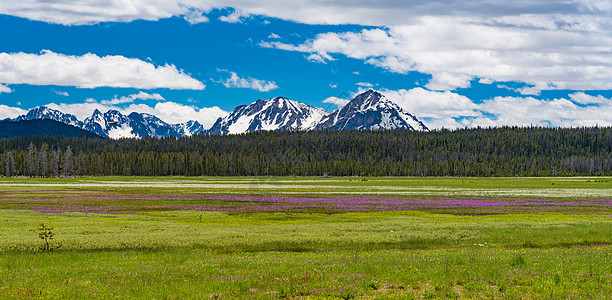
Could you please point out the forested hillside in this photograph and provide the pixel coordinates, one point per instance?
(508, 151)
(44, 127)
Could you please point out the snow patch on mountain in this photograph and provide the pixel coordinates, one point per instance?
(121, 131)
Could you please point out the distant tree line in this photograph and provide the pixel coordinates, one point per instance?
(506, 151)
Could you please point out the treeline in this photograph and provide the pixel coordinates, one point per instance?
(506, 151)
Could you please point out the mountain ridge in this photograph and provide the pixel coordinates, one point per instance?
(278, 113)
(369, 110)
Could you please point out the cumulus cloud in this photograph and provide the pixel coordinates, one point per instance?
(432, 104)
(339, 102)
(274, 36)
(235, 17)
(91, 71)
(364, 84)
(310, 12)
(65, 94)
(131, 98)
(10, 112)
(524, 111)
(451, 110)
(456, 50)
(5, 89)
(318, 58)
(582, 98)
(195, 16)
(235, 81)
(547, 44)
(123, 131)
(173, 112)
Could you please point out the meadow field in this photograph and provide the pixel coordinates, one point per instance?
(306, 238)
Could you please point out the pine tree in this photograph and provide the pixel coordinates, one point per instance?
(54, 164)
(9, 161)
(43, 160)
(32, 161)
(68, 164)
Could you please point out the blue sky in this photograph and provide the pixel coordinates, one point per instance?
(473, 63)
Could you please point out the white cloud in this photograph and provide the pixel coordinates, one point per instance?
(173, 113)
(524, 111)
(310, 12)
(10, 112)
(235, 17)
(65, 94)
(547, 57)
(195, 16)
(317, 58)
(123, 131)
(274, 36)
(5, 89)
(91, 71)
(582, 98)
(432, 104)
(451, 110)
(485, 81)
(364, 84)
(236, 81)
(131, 98)
(436, 109)
(339, 102)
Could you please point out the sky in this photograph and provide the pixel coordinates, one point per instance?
(453, 64)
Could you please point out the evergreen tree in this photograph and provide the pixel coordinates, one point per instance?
(54, 163)
(32, 161)
(9, 161)
(68, 163)
(43, 160)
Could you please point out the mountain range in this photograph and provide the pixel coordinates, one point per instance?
(114, 124)
(369, 110)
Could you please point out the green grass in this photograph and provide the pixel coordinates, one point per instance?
(187, 254)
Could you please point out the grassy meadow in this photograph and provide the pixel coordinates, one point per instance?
(307, 238)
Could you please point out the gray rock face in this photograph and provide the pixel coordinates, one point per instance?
(43, 113)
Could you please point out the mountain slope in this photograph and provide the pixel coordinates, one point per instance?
(276, 114)
(188, 128)
(370, 110)
(43, 112)
(44, 127)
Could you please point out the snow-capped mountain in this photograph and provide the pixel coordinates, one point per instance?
(149, 125)
(188, 128)
(43, 112)
(277, 114)
(96, 124)
(367, 111)
(370, 110)
(111, 124)
(114, 124)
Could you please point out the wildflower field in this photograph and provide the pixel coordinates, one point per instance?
(306, 238)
